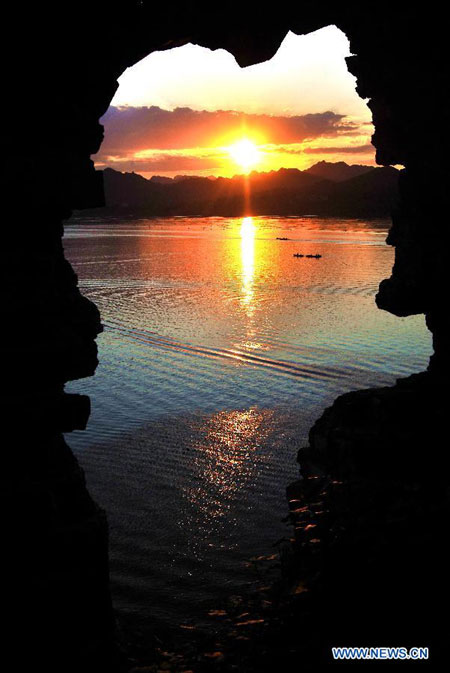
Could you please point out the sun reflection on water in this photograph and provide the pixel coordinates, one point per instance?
(228, 454)
(248, 299)
(248, 262)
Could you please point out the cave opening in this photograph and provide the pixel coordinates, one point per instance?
(384, 444)
(202, 366)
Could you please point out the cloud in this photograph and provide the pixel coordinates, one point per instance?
(133, 129)
(164, 163)
(352, 149)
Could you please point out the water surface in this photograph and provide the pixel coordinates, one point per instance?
(220, 350)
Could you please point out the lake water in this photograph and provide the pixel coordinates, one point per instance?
(220, 349)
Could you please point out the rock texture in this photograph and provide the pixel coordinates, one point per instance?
(59, 77)
(370, 516)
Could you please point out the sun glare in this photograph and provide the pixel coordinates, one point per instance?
(245, 153)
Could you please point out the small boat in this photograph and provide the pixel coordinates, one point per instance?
(297, 254)
(281, 238)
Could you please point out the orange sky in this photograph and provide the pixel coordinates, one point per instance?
(179, 111)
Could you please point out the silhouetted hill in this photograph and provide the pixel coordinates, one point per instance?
(284, 192)
(337, 172)
(374, 189)
(161, 179)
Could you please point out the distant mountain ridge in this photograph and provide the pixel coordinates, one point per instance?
(337, 171)
(351, 191)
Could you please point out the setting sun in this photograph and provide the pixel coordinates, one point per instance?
(245, 153)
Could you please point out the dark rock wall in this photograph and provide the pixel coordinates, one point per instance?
(401, 67)
(59, 74)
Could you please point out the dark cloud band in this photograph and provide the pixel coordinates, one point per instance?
(352, 149)
(165, 163)
(133, 129)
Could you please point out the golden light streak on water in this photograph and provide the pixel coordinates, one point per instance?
(248, 263)
(226, 459)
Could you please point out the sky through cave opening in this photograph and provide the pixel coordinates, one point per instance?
(193, 111)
